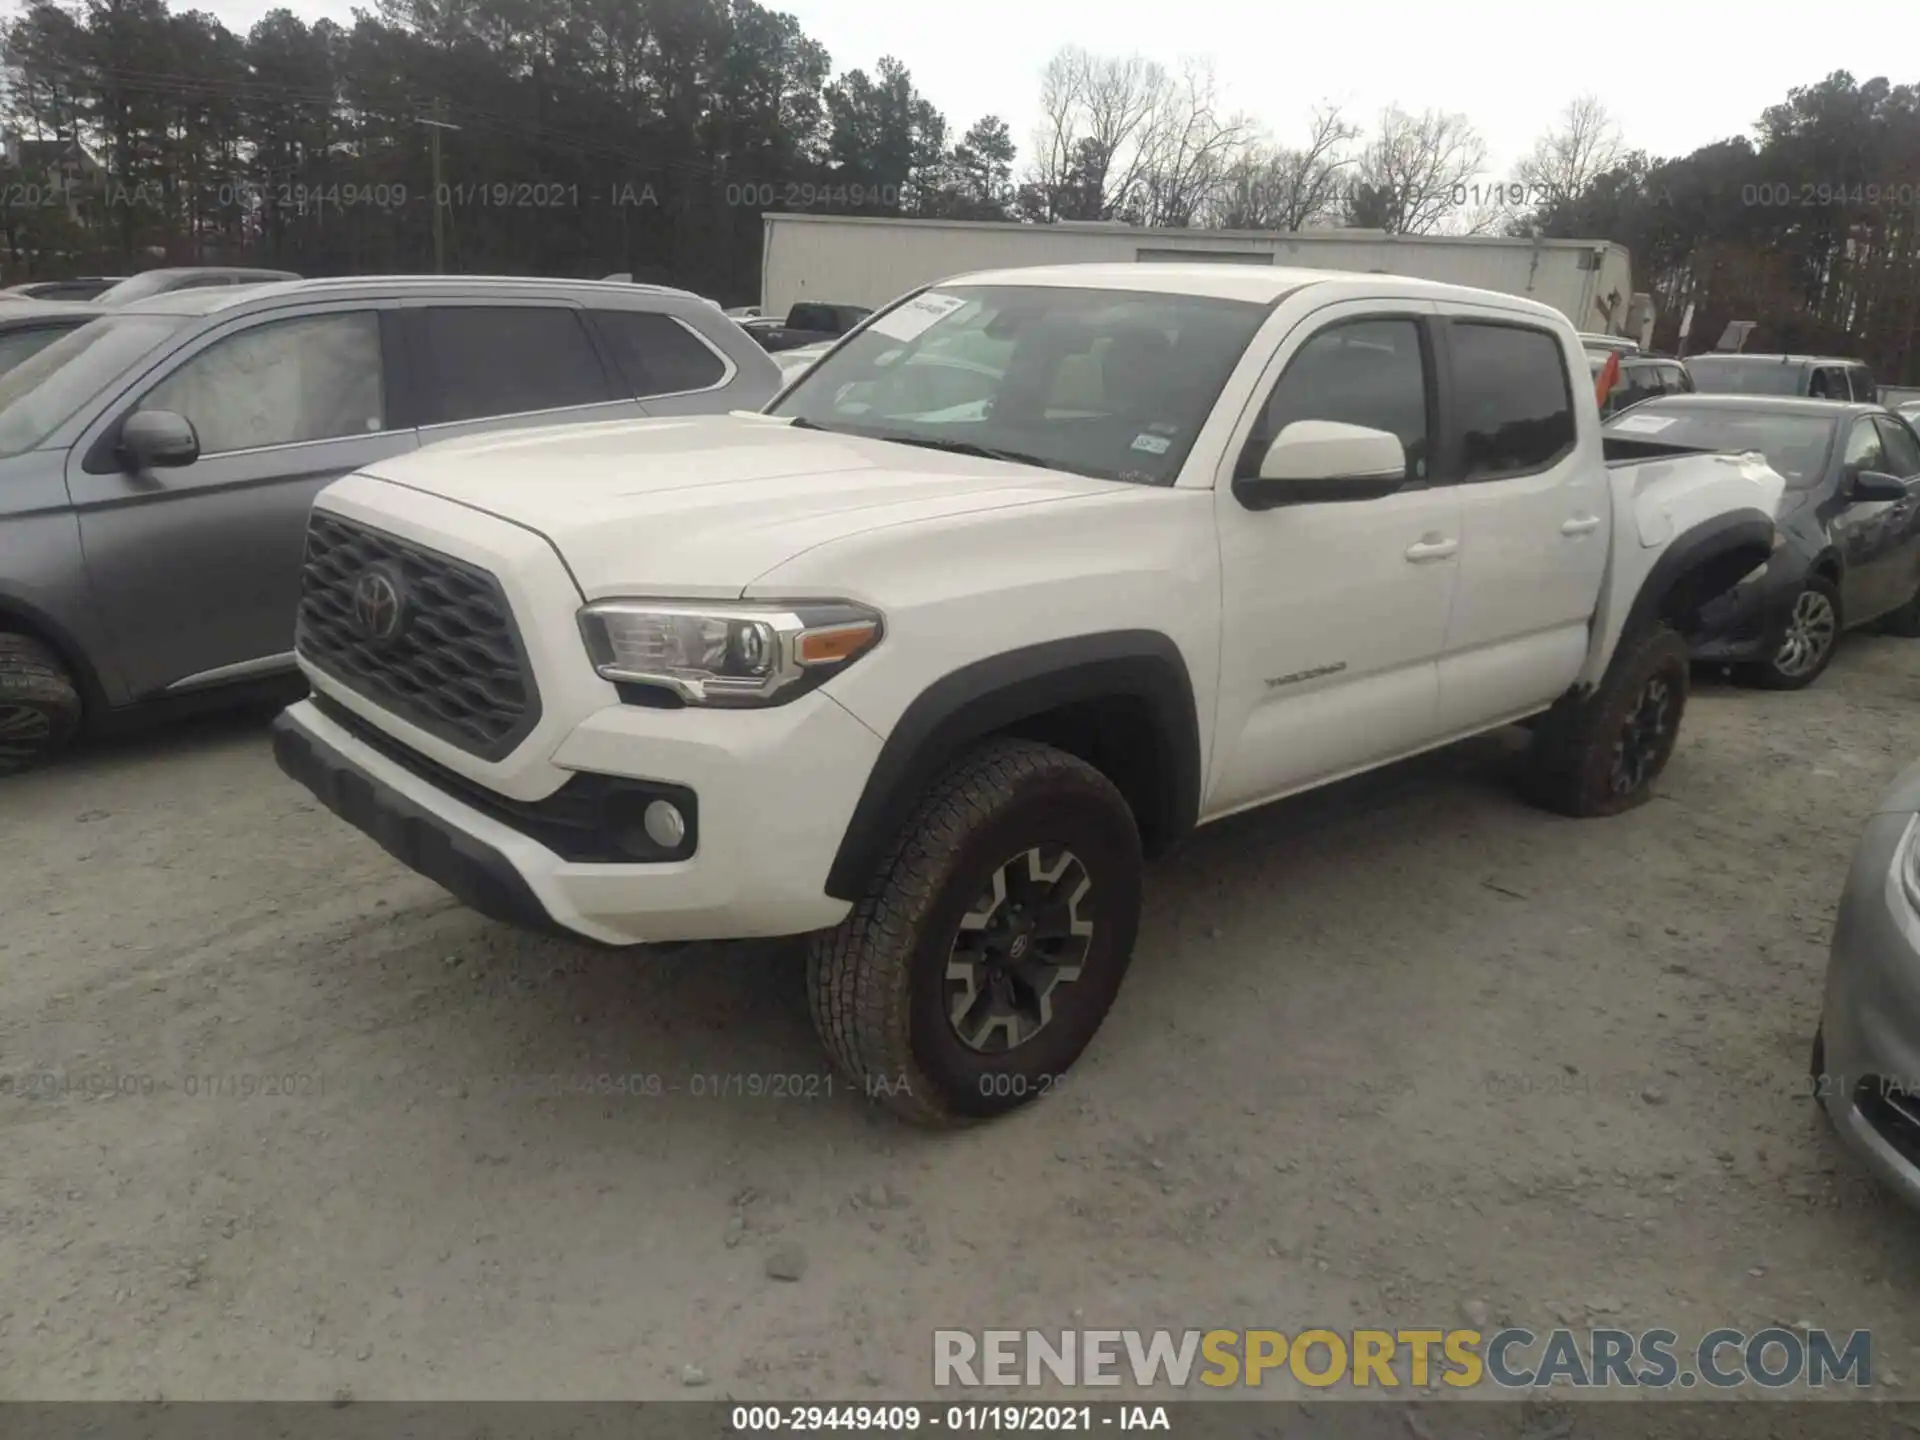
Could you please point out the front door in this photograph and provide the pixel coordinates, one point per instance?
(1869, 533)
(1534, 519)
(1334, 611)
(196, 569)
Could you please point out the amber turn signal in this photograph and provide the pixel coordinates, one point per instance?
(831, 644)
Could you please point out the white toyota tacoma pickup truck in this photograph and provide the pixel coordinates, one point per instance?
(1033, 573)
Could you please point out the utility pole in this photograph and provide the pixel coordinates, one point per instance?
(436, 125)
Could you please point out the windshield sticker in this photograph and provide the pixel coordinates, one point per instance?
(1642, 424)
(853, 407)
(916, 315)
(1162, 427)
(1152, 444)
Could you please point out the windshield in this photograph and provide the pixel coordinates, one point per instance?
(1109, 383)
(1795, 445)
(1744, 377)
(17, 345)
(41, 392)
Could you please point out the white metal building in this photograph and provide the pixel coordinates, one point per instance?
(870, 260)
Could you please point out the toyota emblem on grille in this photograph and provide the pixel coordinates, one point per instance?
(377, 607)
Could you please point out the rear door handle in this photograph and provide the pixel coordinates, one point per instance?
(1581, 525)
(1431, 548)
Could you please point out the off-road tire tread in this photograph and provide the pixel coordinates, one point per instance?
(31, 674)
(859, 973)
(1560, 757)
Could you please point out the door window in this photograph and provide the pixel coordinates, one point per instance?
(657, 354)
(1359, 372)
(281, 383)
(1511, 399)
(1863, 386)
(1864, 449)
(1901, 448)
(492, 360)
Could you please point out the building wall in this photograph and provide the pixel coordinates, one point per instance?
(860, 261)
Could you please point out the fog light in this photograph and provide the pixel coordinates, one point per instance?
(665, 825)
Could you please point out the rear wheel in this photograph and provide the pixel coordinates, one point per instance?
(1600, 755)
(39, 704)
(991, 941)
(1807, 646)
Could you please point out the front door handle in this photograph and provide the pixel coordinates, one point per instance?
(1431, 547)
(1581, 525)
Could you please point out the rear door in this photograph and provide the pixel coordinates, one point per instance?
(197, 569)
(507, 364)
(1534, 507)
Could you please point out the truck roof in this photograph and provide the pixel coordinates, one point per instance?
(1257, 283)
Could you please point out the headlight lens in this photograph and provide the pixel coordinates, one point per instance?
(723, 653)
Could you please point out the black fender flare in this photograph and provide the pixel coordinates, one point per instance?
(991, 695)
(1705, 562)
(20, 615)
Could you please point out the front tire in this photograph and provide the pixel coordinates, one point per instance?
(39, 704)
(1600, 755)
(1807, 646)
(991, 941)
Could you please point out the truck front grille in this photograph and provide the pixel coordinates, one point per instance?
(420, 634)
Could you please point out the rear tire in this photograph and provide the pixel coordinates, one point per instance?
(1812, 635)
(39, 704)
(991, 941)
(1601, 754)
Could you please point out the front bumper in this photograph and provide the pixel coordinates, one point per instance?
(775, 790)
(1870, 1022)
(1749, 622)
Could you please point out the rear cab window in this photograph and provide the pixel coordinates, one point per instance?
(488, 361)
(1512, 399)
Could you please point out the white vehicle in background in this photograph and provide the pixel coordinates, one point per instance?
(795, 363)
(1036, 572)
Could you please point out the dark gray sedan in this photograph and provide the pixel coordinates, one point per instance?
(1866, 1052)
(1848, 548)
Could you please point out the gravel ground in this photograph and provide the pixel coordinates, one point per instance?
(1406, 1051)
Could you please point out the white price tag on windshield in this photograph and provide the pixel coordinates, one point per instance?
(916, 315)
(1642, 424)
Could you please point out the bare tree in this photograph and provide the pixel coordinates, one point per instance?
(1415, 173)
(1122, 139)
(1188, 148)
(1565, 161)
(1089, 151)
(1282, 188)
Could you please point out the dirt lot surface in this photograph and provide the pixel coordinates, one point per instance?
(1403, 1052)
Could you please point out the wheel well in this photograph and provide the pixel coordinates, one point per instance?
(1702, 581)
(1118, 736)
(16, 620)
(1827, 568)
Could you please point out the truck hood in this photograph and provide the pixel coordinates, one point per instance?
(700, 507)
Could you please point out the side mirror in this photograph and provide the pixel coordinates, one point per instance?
(1324, 460)
(1873, 485)
(159, 439)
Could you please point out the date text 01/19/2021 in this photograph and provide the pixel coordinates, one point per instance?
(962, 1419)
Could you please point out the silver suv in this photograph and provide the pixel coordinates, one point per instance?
(157, 465)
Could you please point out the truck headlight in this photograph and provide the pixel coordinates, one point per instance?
(726, 653)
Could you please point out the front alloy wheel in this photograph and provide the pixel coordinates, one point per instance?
(1026, 936)
(991, 940)
(1646, 738)
(1812, 627)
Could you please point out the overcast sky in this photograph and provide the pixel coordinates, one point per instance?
(1695, 72)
